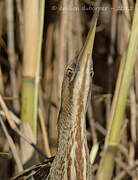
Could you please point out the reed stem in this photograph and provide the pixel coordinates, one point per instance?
(119, 104)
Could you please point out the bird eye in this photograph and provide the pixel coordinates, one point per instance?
(69, 72)
(92, 73)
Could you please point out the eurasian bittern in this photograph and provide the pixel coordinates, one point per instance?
(72, 160)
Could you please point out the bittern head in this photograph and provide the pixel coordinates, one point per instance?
(77, 79)
(79, 73)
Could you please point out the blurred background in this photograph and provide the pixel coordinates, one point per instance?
(28, 56)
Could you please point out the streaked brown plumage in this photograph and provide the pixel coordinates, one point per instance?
(72, 157)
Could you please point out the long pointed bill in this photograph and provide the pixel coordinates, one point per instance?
(88, 46)
(82, 80)
(84, 58)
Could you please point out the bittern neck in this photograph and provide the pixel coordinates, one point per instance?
(72, 158)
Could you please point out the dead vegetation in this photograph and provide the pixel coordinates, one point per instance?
(65, 27)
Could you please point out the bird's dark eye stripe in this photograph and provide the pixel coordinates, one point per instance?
(69, 69)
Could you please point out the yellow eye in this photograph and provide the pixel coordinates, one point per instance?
(69, 71)
(92, 73)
